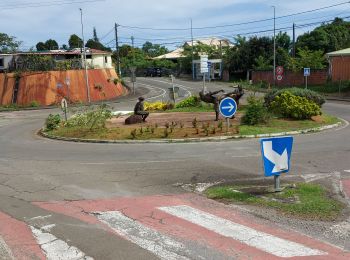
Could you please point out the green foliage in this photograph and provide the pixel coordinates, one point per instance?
(8, 43)
(307, 59)
(92, 118)
(327, 37)
(306, 93)
(93, 44)
(34, 103)
(256, 112)
(291, 106)
(153, 50)
(52, 122)
(48, 45)
(192, 101)
(75, 41)
(262, 64)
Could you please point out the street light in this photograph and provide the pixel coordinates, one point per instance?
(274, 45)
(85, 63)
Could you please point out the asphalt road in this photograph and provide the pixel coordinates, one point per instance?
(34, 169)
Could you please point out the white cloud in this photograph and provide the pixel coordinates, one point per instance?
(59, 22)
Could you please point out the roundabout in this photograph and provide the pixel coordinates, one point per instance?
(47, 182)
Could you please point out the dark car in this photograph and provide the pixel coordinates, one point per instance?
(153, 72)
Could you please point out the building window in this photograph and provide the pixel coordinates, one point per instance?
(1, 62)
(106, 60)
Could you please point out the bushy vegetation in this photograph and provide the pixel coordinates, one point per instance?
(52, 122)
(91, 118)
(192, 101)
(157, 106)
(306, 93)
(256, 112)
(296, 107)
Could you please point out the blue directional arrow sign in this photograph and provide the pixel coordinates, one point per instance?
(276, 153)
(228, 107)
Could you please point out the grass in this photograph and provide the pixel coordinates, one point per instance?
(304, 200)
(284, 125)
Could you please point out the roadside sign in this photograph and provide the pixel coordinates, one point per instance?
(59, 85)
(228, 107)
(209, 64)
(133, 69)
(204, 64)
(307, 72)
(276, 154)
(279, 77)
(64, 106)
(279, 70)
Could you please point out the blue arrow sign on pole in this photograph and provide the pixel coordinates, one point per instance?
(276, 153)
(228, 107)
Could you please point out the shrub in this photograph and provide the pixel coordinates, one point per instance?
(34, 103)
(91, 118)
(192, 101)
(256, 112)
(155, 106)
(291, 106)
(306, 93)
(53, 122)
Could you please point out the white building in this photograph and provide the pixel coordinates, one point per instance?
(96, 59)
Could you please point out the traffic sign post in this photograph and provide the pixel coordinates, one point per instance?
(276, 154)
(64, 106)
(279, 73)
(307, 73)
(228, 108)
(209, 70)
(204, 69)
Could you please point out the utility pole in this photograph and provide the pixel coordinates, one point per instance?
(117, 48)
(192, 50)
(85, 63)
(274, 46)
(293, 53)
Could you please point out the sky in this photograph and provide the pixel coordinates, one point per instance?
(31, 21)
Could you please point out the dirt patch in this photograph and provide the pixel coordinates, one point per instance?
(318, 119)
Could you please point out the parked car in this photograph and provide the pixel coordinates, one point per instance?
(153, 72)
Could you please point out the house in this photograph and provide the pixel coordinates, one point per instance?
(339, 64)
(216, 64)
(95, 59)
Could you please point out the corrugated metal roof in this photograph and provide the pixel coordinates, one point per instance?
(343, 52)
(76, 51)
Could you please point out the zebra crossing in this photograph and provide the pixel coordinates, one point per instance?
(184, 226)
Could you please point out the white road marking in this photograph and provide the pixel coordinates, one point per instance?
(5, 251)
(41, 217)
(56, 249)
(151, 240)
(346, 170)
(260, 240)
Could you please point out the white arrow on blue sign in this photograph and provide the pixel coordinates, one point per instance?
(228, 107)
(276, 153)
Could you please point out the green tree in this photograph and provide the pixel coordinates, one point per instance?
(95, 38)
(327, 37)
(40, 46)
(153, 50)
(51, 45)
(92, 44)
(8, 43)
(75, 42)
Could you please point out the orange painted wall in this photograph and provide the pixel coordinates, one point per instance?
(43, 86)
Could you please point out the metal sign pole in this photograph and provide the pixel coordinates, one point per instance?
(277, 183)
(227, 125)
(306, 82)
(172, 81)
(204, 89)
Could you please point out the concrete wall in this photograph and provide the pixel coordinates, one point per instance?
(317, 77)
(6, 60)
(340, 68)
(49, 88)
(98, 61)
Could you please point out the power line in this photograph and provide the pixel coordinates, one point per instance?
(236, 24)
(45, 3)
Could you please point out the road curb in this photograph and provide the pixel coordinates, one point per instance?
(191, 140)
